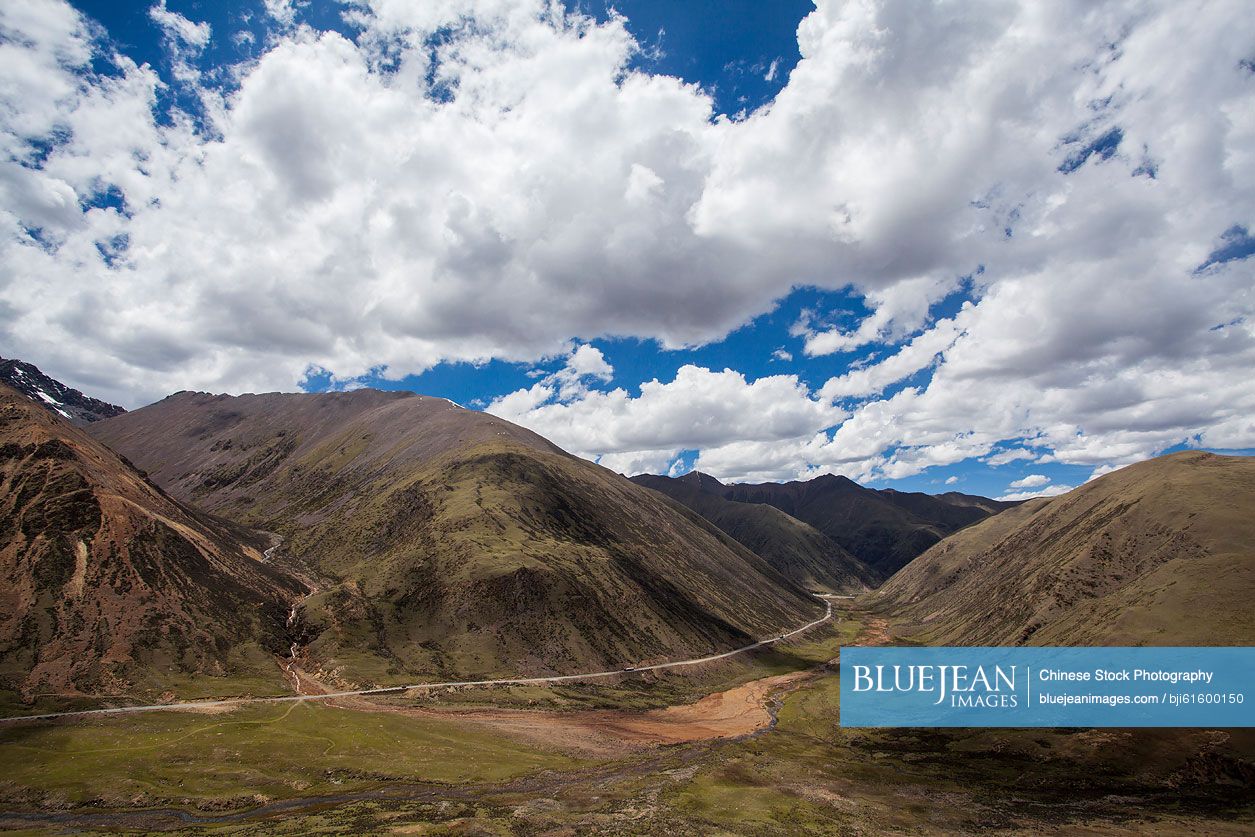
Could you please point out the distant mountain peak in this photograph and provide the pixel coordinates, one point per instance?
(54, 396)
(836, 479)
(702, 481)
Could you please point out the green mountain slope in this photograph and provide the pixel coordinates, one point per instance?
(452, 543)
(1158, 553)
(796, 549)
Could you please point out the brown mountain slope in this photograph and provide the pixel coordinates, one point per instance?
(884, 529)
(451, 542)
(796, 549)
(1158, 553)
(111, 586)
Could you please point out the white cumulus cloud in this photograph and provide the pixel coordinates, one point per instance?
(1051, 491)
(699, 409)
(472, 179)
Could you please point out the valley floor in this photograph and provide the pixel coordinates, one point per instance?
(738, 747)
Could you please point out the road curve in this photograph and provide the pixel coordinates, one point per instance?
(507, 681)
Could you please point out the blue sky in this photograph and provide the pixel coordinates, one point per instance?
(727, 46)
(955, 248)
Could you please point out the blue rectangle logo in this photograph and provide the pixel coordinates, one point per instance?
(1047, 687)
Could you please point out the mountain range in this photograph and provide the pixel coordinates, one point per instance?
(796, 549)
(882, 529)
(449, 542)
(385, 537)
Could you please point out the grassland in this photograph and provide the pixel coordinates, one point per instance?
(251, 673)
(811, 776)
(248, 756)
(357, 772)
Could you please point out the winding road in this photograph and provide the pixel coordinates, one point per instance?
(506, 681)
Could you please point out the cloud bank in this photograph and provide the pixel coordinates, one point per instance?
(475, 179)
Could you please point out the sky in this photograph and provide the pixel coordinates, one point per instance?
(995, 247)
